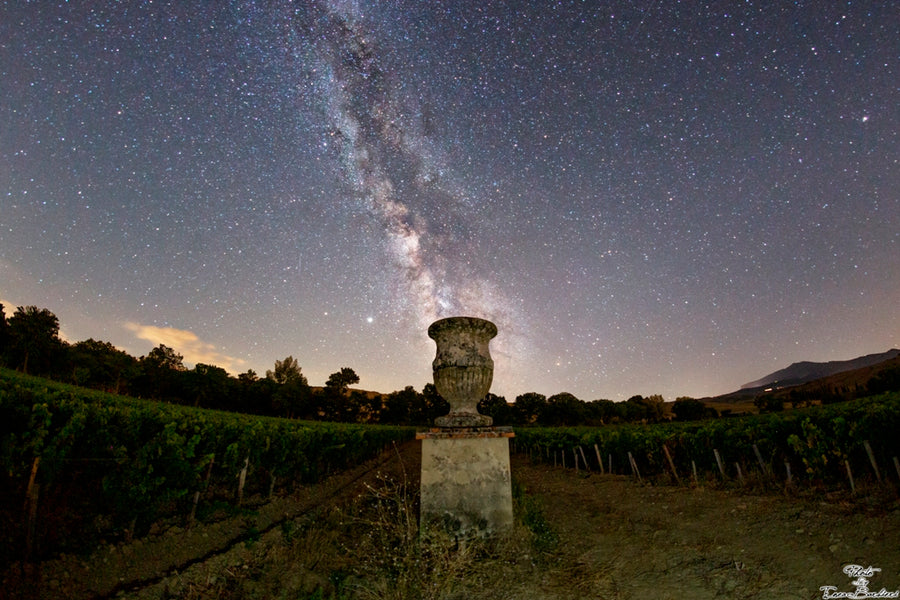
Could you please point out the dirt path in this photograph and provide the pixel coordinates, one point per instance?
(619, 539)
(613, 538)
(127, 568)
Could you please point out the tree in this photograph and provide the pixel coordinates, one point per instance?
(564, 409)
(292, 397)
(99, 365)
(34, 339)
(286, 371)
(689, 409)
(602, 412)
(248, 377)
(4, 335)
(769, 403)
(160, 372)
(638, 408)
(529, 408)
(163, 357)
(496, 408)
(397, 406)
(342, 379)
(208, 385)
(886, 380)
(254, 395)
(433, 406)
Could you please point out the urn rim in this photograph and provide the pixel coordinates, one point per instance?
(470, 323)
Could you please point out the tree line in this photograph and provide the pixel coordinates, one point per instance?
(30, 343)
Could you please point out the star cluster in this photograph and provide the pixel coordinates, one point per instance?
(645, 197)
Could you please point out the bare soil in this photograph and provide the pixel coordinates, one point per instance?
(579, 535)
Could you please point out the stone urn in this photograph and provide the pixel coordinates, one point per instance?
(463, 368)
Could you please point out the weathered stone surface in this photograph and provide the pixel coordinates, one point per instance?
(463, 368)
(465, 463)
(466, 481)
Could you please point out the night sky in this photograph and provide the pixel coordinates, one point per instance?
(646, 197)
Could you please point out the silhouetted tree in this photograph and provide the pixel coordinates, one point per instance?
(159, 375)
(688, 409)
(397, 406)
(208, 385)
(366, 406)
(886, 380)
(342, 379)
(100, 365)
(434, 406)
(639, 408)
(497, 408)
(602, 412)
(33, 339)
(286, 371)
(529, 408)
(4, 336)
(163, 357)
(769, 403)
(292, 396)
(254, 395)
(564, 409)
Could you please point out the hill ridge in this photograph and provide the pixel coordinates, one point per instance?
(805, 371)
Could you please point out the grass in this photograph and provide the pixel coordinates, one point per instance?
(373, 549)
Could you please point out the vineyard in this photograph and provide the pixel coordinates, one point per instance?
(90, 463)
(80, 466)
(822, 446)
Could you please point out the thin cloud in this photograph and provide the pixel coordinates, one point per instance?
(187, 344)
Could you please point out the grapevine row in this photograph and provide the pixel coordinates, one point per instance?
(818, 444)
(130, 461)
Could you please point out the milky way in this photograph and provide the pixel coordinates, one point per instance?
(646, 197)
(394, 169)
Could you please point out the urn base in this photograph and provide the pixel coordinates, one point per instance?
(462, 419)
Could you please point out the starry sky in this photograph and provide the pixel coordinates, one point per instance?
(646, 197)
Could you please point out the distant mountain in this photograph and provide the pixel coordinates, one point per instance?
(803, 372)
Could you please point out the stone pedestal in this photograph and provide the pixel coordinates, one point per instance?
(466, 485)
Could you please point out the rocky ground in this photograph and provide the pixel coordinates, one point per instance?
(579, 535)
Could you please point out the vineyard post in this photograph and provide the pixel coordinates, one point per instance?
(634, 467)
(32, 519)
(554, 460)
(671, 464)
(271, 484)
(719, 462)
(740, 474)
(31, 503)
(204, 487)
(34, 469)
(787, 468)
(193, 514)
(575, 454)
(610, 463)
(242, 478)
(694, 469)
(759, 459)
(897, 466)
(872, 459)
(850, 477)
(583, 459)
(600, 461)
